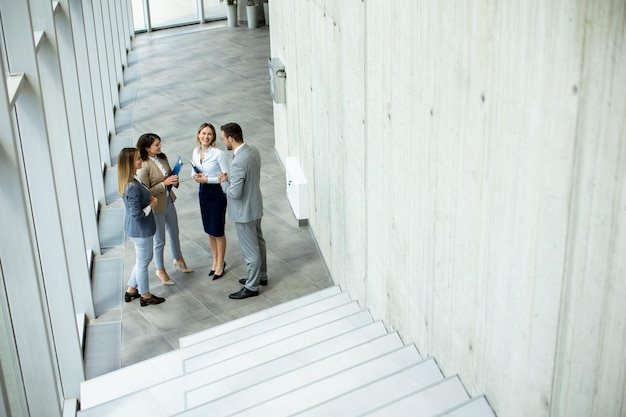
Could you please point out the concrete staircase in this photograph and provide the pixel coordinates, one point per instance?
(319, 355)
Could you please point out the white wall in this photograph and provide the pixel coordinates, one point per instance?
(467, 172)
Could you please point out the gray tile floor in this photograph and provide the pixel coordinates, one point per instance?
(176, 80)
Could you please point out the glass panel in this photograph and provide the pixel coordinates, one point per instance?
(164, 13)
(167, 13)
(214, 10)
(139, 20)
(11, 387)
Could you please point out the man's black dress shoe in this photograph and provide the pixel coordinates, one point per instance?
(243, 293)
(261, 282)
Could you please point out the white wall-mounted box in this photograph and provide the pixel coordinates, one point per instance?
(297, 189)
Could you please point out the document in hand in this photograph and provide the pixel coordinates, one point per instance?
(195, 168)
(177, 166)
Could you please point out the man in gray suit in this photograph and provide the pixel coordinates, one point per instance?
(245, 207)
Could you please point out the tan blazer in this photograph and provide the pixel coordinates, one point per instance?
(152, 177)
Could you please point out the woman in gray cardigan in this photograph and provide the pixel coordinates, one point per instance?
(139, 224)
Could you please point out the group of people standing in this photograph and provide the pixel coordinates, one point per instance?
(145, 182)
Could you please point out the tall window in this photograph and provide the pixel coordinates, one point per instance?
(12, 401)
(157, 14)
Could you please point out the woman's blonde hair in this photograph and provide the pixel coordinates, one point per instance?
(126, 168)
(210, 126)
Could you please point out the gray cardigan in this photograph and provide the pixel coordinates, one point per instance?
(136, 224)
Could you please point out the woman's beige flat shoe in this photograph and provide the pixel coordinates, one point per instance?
(181, 265)
(164, 278)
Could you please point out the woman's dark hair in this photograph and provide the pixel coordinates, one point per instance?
(145, 141)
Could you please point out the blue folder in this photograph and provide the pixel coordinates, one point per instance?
(195, 168)
(177, 166)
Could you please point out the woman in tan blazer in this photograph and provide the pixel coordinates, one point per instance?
(156, 174)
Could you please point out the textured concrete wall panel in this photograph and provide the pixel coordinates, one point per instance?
(466, 168)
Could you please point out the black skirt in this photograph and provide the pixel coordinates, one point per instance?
(212, 209)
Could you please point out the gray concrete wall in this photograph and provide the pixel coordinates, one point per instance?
(467, 175)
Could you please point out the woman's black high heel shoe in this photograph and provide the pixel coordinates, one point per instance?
(216, 276)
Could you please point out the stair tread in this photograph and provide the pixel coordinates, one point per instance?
(259, 316)
(312, 383)
(172, 364)
(321, 355)
(310, 333)
(426, 402)
(233, 374)
(475, 407)
(380, 392)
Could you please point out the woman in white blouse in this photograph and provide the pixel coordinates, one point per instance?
(208, 163)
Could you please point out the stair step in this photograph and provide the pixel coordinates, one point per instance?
(175, 395)
(427, 402)
(320, 355)
(293, 365)
(476, 407)
(172, 364)
(311, 384)
(380, 392)
(298, 334)
(285, 307)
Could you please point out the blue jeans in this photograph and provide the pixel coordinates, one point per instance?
(166, 221)
(143, 252)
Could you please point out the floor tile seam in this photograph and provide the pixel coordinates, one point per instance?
(193, 295)
(94, 322)
(280, 300)
(155, 329)
(140, 342)
(293, 269)
(233, 313)
(141, 310)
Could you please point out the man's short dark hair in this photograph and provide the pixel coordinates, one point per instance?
(233, 130)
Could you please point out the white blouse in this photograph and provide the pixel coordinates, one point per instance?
(213, 162)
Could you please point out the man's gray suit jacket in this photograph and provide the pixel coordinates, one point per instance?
(243, 188)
